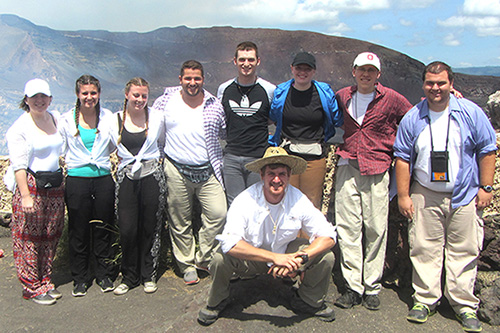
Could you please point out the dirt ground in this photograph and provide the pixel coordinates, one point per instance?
(259, 305)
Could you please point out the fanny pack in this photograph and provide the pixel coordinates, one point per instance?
(194, 173)
(47, 179)
(147, 168)
(301, 147)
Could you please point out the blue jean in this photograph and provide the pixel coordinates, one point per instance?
(236, 177)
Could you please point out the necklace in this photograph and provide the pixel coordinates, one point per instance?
(275, 224)
(245, 102)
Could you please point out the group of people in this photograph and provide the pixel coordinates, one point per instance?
(272, 185)
(86, 136)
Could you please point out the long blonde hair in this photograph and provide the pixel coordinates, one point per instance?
(139, 82)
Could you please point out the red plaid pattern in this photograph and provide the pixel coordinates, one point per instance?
(371, 142)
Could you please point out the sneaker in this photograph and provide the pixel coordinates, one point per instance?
(80, 289)
(209, 314)
(121, 289)
(203, 268)
(106, 285)
(150, 287)
(348, 299)
(419, 313)
(191, 277)
(371, 302)
(469, 321)
(54, 293)
(44, 299)
(324, 312)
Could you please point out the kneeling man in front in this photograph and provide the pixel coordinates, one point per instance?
(260, 236)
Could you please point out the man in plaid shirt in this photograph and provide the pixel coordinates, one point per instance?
(372, 113)
(194, 122)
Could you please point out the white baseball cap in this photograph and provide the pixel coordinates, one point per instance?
(367, 58)
(37, 86)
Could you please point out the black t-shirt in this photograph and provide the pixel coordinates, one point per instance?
(303, 115)
(247, 113)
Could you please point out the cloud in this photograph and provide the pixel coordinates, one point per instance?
(411, 4)
(416, 40)
(451, 40)
(484, 26)
(338, 29)
(405, 23)
(379, 27)
(296, 11)
(483, 7)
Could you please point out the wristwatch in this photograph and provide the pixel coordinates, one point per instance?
(487, 188)
(305, 258)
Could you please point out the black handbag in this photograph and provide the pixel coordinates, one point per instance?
(47, 179)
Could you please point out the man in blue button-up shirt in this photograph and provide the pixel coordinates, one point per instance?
(447, 146)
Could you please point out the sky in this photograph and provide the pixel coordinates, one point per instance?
(462, 33)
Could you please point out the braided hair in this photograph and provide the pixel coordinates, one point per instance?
(139, 82)
(81, 81)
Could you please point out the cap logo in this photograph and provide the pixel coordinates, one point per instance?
(274, 151)
(370, 57)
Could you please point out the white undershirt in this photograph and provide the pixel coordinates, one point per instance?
(422, 168)
(357, 109)
(185, 135)
(46, 151)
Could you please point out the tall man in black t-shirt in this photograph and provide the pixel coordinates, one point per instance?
(246, 100)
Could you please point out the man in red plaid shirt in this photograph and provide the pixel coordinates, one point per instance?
(372, 113)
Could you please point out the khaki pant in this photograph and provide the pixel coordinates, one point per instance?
(361, 212)
(312, 290)
(311, 184)
(442, 236)
(311, 181)
(180, 210)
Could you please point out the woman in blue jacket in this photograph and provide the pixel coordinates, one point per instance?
(306, 114)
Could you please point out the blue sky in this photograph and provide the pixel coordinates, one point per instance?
(462, 33)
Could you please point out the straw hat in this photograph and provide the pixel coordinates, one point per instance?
(278, 155)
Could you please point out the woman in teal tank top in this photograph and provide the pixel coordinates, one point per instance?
(89, 188)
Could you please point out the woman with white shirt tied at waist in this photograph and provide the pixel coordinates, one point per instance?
(90, 189)
(140, 189)
(38, 204)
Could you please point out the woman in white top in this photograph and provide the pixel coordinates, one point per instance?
(141, 187)
(38, 203)
(90, 189)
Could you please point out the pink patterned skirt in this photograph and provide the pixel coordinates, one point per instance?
(35, 237)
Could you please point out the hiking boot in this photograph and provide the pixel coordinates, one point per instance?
(209, 314)
(324, 312)
(150, 287)
(54, 293)
(371, 302)
(419, 313)
(121, 289)
(44, 299)
(349, 299)
(106, 285)
(80, 289)
(469, 321)
(191, 277)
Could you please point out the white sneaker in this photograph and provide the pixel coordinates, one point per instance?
(150, 287)
(121, 289)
